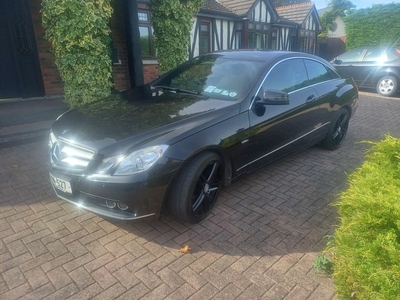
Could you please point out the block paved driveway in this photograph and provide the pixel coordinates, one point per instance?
(259, 242)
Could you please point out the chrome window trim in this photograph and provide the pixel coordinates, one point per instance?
(290, 58)
(283, 146)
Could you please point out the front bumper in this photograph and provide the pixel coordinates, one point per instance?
(118, 197)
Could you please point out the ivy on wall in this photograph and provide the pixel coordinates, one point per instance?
(172, 23)
(79, 33)
(375, 26)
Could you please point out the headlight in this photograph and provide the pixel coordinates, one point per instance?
(135, 162)
(52, 139)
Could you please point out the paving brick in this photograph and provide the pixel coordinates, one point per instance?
(126, 277)
(155, 249)
(242, 282)
(169, 277)
(148, 277)
(96, 249)
(229, 292)
(36, 277)
(111, 293)
(14, 277)
(104, 278)
(87, 293)
(16, 293)
(92, 237)
(120, 262)
(78, 262)
(140, 262)
(10, 262)
(17, 248)
(64, 293)
(115, 235)
(276, 292)
(191, 277)
(39, 292)
(252, 292)
(59, 278)
(81, 277)
(161, 262)
(183, 261)
(136, 292)
(182, 293)
(76, 249)
(59, 261)
(99, 262)
(206, 292)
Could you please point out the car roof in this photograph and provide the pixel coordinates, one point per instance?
(377, 47)
(264, 55)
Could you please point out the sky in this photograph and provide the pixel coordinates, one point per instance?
(359, 3)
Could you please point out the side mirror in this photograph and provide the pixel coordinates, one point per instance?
(337, 61)
(274, 97)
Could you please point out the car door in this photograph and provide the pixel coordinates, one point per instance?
(371, 63)
(347, 63)
(277, 130)
(327, 83)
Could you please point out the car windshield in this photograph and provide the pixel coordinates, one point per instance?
(213, 75)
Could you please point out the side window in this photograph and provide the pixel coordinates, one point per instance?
(287, 76)
(333, 74)
(353, 55)
(375, 54)
(317, 72)
(393, 54)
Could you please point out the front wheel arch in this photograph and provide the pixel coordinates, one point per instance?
(194, 190)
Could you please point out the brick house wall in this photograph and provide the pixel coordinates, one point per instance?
(151, 71)
(121, 69)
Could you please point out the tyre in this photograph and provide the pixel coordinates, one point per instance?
(337, 131)
(387, 86)
(195, 190)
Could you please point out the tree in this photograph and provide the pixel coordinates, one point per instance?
(336, 8)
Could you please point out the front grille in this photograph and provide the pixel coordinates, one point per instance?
(70, 157)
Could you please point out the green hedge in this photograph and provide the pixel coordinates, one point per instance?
(79, 33)
(172, 23)
(366, 249)
(375, 26)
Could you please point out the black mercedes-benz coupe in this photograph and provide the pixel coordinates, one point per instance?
(173, 144)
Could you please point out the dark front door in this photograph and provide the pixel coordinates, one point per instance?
(19, 66)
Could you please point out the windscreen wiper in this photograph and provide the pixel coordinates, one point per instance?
(176, 90)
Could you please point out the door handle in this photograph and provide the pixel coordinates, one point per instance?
(310, 98)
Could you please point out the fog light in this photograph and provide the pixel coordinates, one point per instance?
(122, 206)
(111, 204)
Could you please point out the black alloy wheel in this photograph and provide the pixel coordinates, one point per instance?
(338, 130)
(196, 188)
